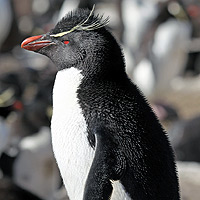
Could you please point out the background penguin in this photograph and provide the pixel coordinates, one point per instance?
(107, 141)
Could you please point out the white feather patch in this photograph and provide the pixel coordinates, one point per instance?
(69, 136)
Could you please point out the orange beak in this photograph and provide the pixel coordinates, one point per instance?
(34, 44)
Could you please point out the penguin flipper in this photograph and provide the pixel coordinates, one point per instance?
(108, 165)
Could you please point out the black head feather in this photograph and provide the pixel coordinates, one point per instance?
(80, 40)
(80, 19)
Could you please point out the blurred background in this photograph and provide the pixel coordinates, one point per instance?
(161, 43)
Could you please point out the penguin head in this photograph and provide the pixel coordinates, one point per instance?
(78, 40)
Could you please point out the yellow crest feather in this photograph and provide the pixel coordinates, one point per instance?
(95, 25)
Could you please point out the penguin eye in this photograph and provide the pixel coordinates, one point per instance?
(66, 42)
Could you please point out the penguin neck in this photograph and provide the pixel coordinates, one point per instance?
(104, 70)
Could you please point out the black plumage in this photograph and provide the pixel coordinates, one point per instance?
(130, 144)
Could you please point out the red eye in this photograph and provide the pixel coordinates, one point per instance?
(66, 42)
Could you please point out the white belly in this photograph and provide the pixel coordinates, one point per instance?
(69, 137)
(69, 134)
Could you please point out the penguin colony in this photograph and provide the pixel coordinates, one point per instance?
(107, 140)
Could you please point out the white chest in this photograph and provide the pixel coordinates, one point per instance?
(69, 137)
(69, 133)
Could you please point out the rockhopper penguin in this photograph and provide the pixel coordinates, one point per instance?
(107, 141)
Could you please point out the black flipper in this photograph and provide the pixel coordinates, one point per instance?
(108, 165)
